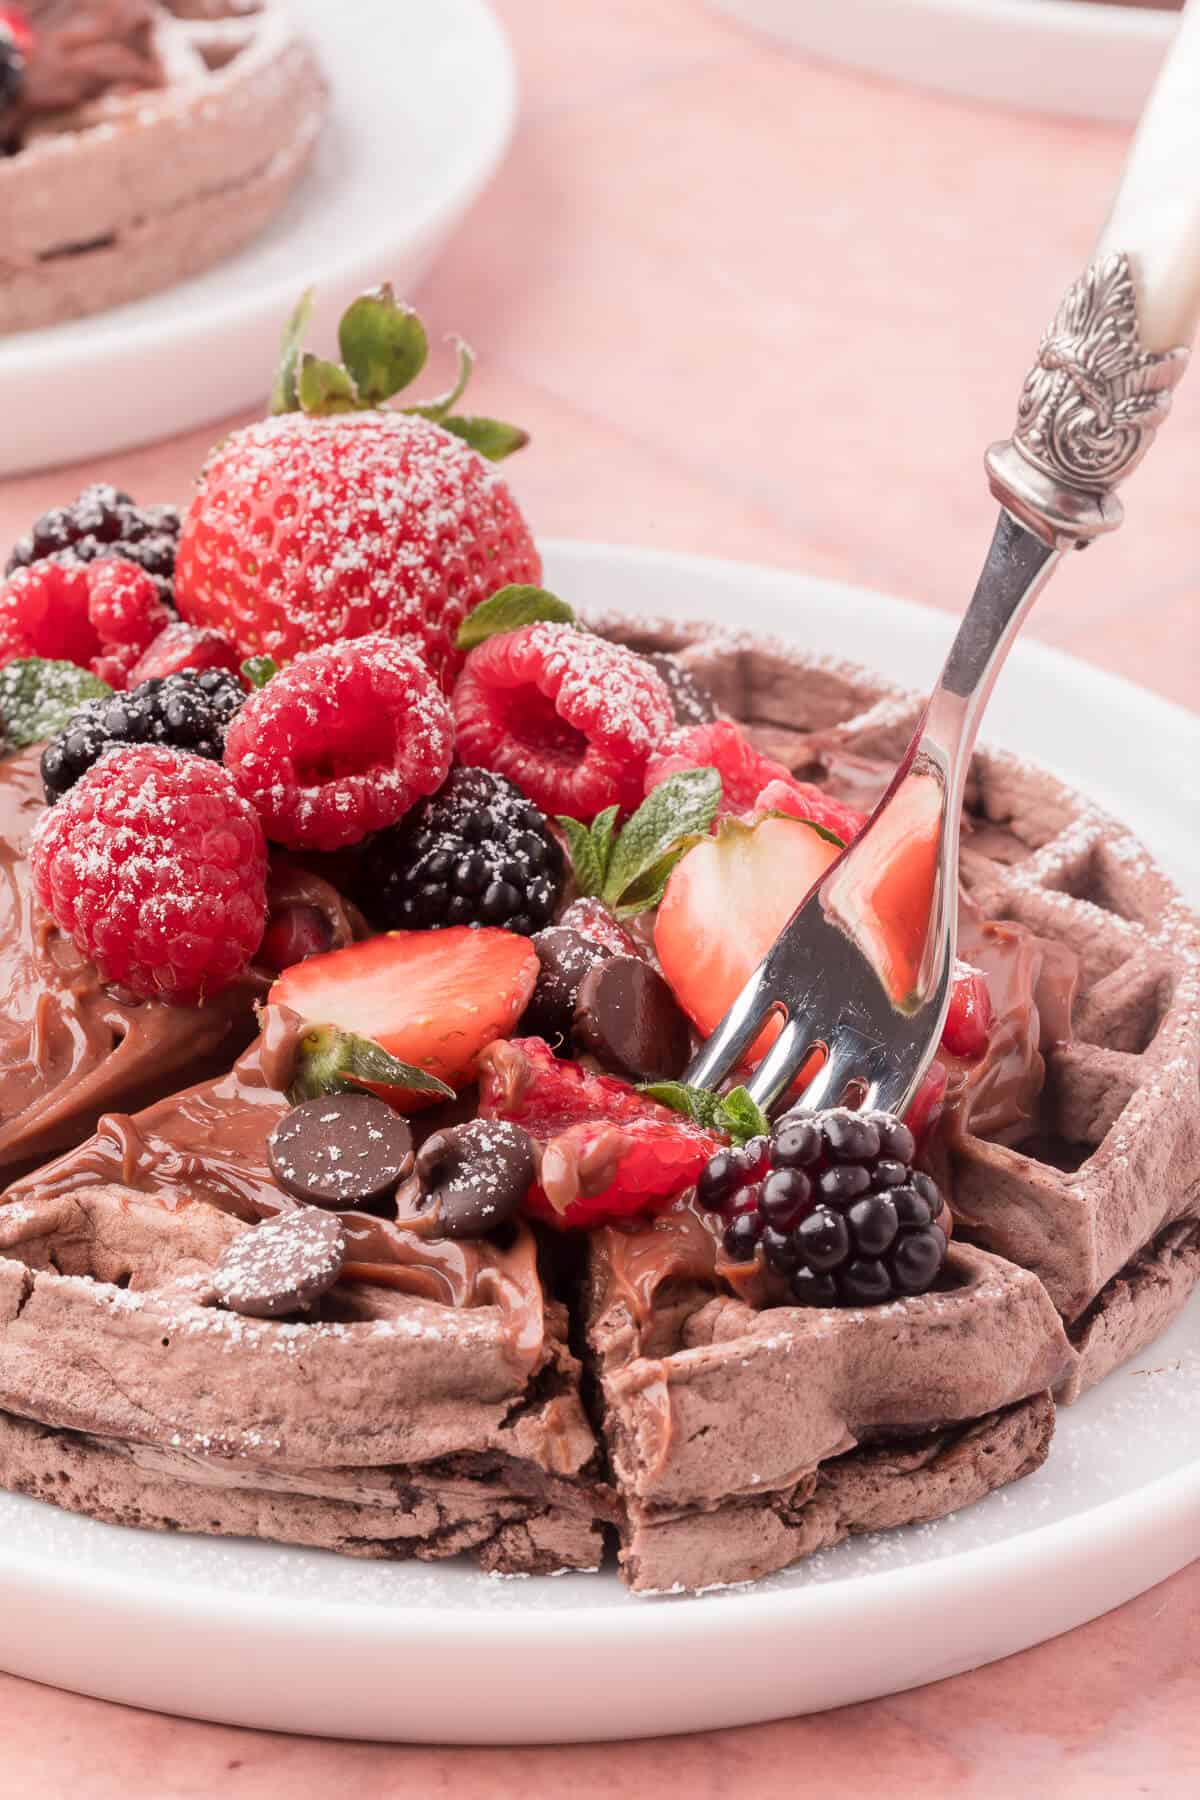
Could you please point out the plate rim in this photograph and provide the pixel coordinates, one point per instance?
(1091, 1551)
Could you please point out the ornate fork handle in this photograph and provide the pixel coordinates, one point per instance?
(1088, 411)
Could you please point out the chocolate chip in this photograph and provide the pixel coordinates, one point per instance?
(693, 703)
(281, 1267)
(341, 1151)
(627, 1016)
(477, 1175)
(564, 958)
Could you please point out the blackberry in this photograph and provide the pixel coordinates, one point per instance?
(832, 1203)
(475, 853)
(189, 711)
(105, 522)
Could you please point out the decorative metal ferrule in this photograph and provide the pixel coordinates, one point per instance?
(1088, 412)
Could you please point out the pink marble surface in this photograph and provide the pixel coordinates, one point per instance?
(754, 307)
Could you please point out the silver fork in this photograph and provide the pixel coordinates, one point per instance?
(865, 979)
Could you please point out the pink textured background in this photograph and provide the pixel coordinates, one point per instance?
(757, 308)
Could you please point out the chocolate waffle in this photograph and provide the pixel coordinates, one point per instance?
(739, 1437)
(156, 139)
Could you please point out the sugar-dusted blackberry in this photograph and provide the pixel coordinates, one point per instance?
(475, 853)
(103, 521)
(831, 1203)
(189, 711)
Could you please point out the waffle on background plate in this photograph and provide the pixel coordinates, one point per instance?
(719, 1441)
(160, 136)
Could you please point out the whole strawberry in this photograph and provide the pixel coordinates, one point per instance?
(337, 518)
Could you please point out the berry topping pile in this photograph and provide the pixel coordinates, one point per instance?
(568, 861)
(157, 868)
(101, 523)
(570, 718)
(475, 853)
(341, 743)
(188, 712)
(831, 1203)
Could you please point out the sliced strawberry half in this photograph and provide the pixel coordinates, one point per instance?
(726, 903)
(434, 999)
(801, 800)
(608, 1152)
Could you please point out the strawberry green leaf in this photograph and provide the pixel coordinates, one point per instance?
(284, 396)
(822, 831)
(38, 696)
(258, 670)
(437, 408)
(383, 344)
(585, 858)
(693, 1102)
(508, 609)
(330, 1061)
(667, 822)
(740, 1117)
(325, 387)
(491, 437)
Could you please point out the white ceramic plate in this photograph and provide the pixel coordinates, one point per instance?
(424, 98)
(296, 1640)
(1061, 56)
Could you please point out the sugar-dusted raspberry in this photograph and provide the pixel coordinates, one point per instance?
(44, 612)
(101, 615)
(341, 743)
(157, 868)
(570, 718)
(723, 746)
(182, 647)
(123, 604)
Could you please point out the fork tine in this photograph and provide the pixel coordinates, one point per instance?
(731, 1041)
(832, 1079)
(782, 1063)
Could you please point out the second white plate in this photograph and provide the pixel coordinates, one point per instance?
(423, 104)
(261, 1635)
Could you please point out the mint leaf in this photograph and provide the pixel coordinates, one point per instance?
(437, 408)
(325, 387)
(676, 812)
(258, 670)
(741, 1117)
(585, 859)
(383, 344)
(508, 609)
(284, 396)
(604, 827)
(693, 1102)
(491, 437)
(38, 696)
(331, 1061)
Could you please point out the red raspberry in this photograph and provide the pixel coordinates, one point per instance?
(570, 718)
(123, 604)
(306, 530)
(101, 615)
(182, 647)
(722, 746)
(341, 743)
(157, 868)
(44, 612)
(801, 800)
(650, 1154)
